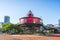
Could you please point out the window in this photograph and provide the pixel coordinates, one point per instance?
(36, 20)
(30, 20)
(22, 21)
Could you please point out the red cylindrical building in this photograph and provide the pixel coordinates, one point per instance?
(30, 23)
(30, 19)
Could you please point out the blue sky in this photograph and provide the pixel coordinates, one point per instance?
(48, 10)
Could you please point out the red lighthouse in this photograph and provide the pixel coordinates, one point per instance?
(30, 23)
(30, 19)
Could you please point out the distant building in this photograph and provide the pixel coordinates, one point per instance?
(50, 26)
(6, 19)
(56, 25)
(1, 24)
(59, 22)
(1, 27)
(57, 28)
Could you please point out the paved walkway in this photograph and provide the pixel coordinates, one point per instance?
(27, 37)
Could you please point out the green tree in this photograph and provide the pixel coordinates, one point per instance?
(11, 28)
